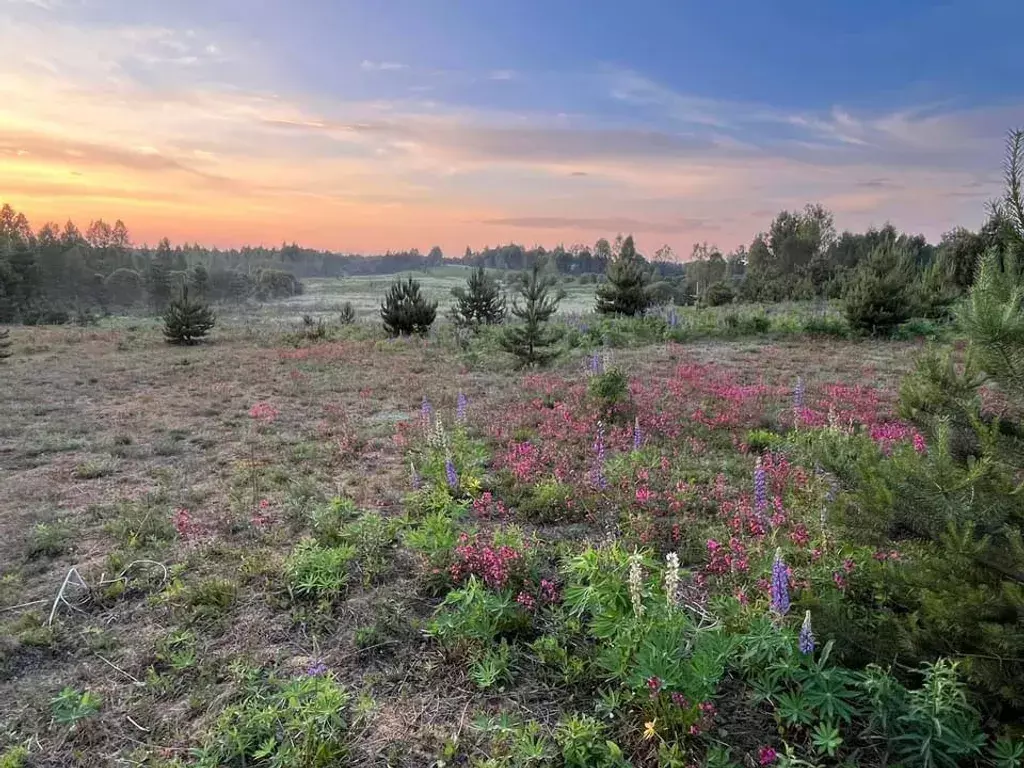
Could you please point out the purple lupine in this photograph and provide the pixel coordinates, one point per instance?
(599, 455)
(638, 437)
(760, 488)
(673, 318)
(798, 393)
(780, 585)
(426, 410)
(806, 641)
(316, 669)
(596, 367)
(460, 408)
(449, 471)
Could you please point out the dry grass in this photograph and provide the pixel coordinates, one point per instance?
(105, 433)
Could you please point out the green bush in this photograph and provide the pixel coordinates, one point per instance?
(474, 617)
(826, 326)
(611, 391)
(719, 294)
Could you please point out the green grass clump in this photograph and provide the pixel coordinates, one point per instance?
(316, 572)
(301, 721)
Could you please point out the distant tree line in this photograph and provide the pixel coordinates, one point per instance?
(56, 274)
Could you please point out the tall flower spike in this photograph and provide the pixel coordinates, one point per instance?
(780, 585)
(460, 408)
(672, 578)
(638, 436)
(798, 393)
(806, 641)
(414, 477)
(636, 581)
(760, 488)
(449, 471)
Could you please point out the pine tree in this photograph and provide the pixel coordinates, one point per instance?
(480, 302)
(200, 280)
(405, 311)
(187, 321)
(5, 343)
(347, 316)
(626, 291)
(993, 319)
(530, 341)
(158, 276)
(879, 297)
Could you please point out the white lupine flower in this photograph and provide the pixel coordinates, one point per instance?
(636, 581)
(672, 578)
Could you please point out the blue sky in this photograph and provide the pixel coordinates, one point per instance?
(397, 123)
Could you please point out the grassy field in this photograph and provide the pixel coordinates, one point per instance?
(151, 517)
(324, 296)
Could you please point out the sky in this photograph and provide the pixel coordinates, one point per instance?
(391, 124)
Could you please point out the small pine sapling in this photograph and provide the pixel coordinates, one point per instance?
(187, 321)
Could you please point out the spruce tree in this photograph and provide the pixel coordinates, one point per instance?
(405, 311)
(531, 340)
(187, 321)
(626, 290)
(5, 343)
(479, 303)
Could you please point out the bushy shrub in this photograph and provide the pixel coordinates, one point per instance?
(405, 311)
(826, 326)
(611, 390)
(747, 324)
(719, 294)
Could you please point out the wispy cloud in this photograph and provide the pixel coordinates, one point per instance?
(381, 66)
(196, 136)
(606, 224)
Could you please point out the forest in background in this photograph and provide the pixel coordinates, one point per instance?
(62, 274)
